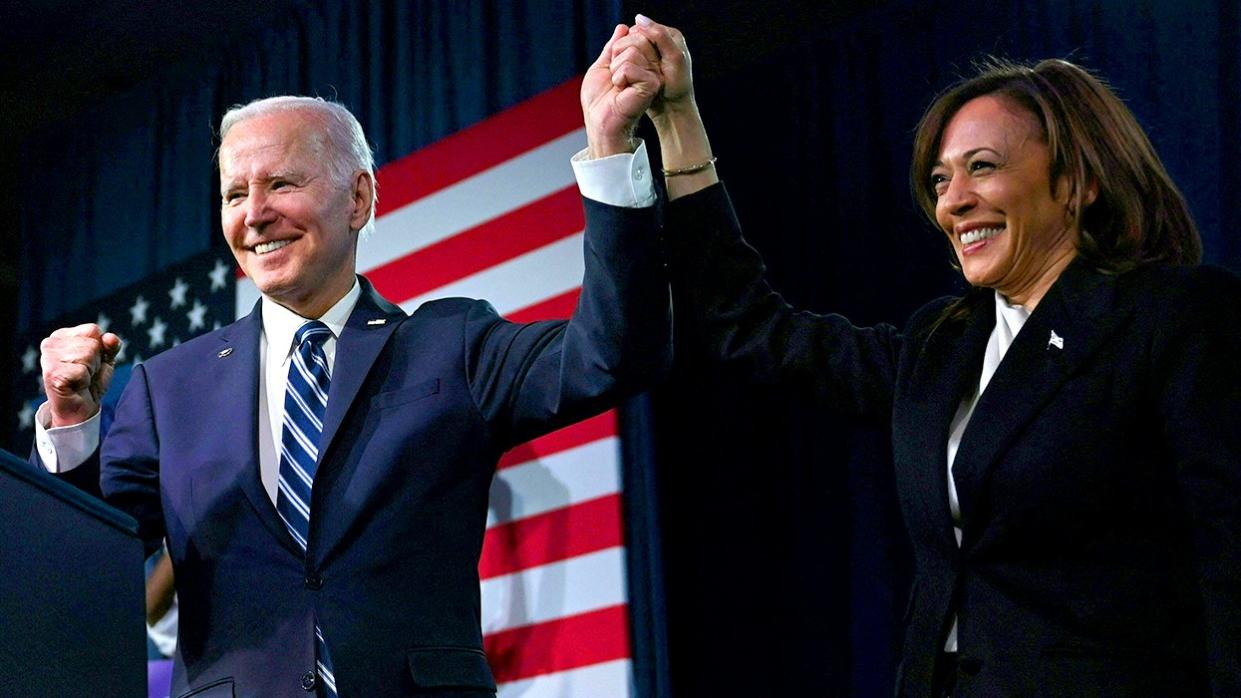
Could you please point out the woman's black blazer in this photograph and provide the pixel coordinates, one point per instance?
(1099, 477)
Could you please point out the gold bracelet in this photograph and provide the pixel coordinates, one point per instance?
(689, 170)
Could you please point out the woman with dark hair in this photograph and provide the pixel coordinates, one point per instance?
(1065, 435)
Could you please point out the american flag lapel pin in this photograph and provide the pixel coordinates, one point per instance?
(1055, 340)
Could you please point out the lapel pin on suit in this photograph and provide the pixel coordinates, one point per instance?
(224, 352)
(377, 321)
(1055, 341)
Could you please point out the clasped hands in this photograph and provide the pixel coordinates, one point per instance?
(644, 68)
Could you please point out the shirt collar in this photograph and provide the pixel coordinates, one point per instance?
(280, 323)
(1014, 316)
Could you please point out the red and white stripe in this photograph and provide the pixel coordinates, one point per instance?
(493, 212)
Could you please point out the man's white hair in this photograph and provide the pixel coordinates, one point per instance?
(343, 142)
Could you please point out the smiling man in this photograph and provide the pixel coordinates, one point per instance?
(320, 468)
(294, 195)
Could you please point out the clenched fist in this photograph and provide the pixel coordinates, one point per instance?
(77, 367)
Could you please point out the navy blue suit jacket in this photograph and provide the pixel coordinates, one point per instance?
(419, 411)
(1099, 479)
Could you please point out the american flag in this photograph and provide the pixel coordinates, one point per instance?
(490, 212)
(493, 212)
(157, 313)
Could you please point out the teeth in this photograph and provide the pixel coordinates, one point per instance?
(974, 236)
(265, 247)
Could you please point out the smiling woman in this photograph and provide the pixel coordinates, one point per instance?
(1063, 461)
(1054, 141)
(1008, 224)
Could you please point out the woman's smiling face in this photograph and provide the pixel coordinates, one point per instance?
(1008, 222)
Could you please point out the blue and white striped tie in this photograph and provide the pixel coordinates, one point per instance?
(305, 401)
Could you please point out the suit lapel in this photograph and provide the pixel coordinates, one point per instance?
(948, 364)
(237, 373)
(368, 329)
(1066, 329)
(370, 325)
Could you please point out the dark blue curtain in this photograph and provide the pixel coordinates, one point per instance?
(786, 559)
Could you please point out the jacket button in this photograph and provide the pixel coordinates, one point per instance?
(308, 681)
(314, 582)
(970, 666)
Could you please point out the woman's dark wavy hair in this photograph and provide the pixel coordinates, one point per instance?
(1139, 216)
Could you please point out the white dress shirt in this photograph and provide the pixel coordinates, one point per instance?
(1009, 319)
(275, 355)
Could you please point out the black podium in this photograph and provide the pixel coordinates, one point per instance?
(71, 590)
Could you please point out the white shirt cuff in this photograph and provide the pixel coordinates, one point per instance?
(64, 448)
(622, 180)
(164, 632)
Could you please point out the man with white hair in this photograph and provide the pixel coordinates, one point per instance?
(320, 468)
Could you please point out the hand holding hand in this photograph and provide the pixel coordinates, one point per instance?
(673, 63)
(617, 89)
(77, 363)
(683, 144)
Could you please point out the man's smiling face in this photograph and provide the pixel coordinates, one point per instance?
(290, 224)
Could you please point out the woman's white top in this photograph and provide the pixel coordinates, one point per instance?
(1009, 319)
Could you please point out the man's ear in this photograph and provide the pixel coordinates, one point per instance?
(363, 199)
